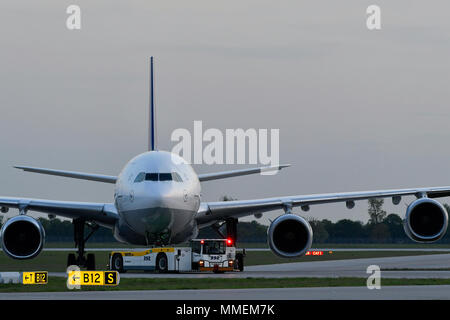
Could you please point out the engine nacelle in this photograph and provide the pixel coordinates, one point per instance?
(426, 220)
(290, 236)
(22, 237)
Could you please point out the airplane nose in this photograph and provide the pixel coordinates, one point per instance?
(158, 197)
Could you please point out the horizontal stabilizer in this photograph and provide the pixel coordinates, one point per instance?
(71, 174)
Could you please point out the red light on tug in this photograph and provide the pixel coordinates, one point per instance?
(229, 242)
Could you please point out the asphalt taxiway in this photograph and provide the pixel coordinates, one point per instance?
(391, 267)
(437, 292)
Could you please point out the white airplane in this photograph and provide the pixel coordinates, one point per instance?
(157, 202)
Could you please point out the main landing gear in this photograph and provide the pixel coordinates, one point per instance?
(78, 235)
(231, 227)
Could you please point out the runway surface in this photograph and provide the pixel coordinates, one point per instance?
(332, 269)
(335, 268)
(333, 293)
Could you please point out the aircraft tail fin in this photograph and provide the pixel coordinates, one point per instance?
(152, 122)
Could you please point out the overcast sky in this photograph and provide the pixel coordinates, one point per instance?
(357, 109)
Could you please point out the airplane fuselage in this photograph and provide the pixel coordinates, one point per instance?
(157, 196)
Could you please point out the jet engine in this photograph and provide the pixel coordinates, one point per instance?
(426, 220)
(289, 236)
(22, 237)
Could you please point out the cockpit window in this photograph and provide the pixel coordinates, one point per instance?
(174, 176)
(140, 177)
(165, 177)
(151, 177)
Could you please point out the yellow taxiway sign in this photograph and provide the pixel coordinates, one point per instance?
(93, 278)
(35, 277)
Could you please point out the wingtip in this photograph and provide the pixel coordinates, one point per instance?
(274, 168)
(24, 168)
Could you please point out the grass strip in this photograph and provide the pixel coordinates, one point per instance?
(55, 261)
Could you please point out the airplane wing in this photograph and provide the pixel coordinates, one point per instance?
(71, 174)
(211, 212)
(104, 214)
(241, 172)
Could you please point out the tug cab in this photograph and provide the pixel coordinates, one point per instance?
(217, 255)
